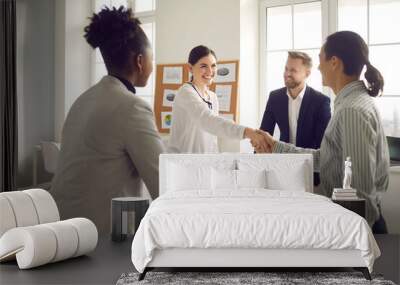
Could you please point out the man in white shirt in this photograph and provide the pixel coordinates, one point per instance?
(300, 112)
(295, 100)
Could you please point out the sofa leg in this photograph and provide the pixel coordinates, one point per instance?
(364, 271)
(143, 274)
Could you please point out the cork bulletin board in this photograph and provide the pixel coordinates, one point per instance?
(170, 77)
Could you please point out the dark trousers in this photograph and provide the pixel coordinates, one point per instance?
(379, 227)
(317, 181)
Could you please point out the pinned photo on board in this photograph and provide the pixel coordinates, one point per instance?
(226, 72)
(166, 120)
(224, 96)
(172, 75)
(169, 97)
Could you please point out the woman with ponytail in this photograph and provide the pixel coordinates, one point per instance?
(355, 129)
(110, 143)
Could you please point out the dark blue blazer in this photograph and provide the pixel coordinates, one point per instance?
(314, 116)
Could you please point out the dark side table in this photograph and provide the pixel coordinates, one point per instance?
(121, 209)
(356, 205)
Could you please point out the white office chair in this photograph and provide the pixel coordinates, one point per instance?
(50, 152)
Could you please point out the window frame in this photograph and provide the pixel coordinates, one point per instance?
(147, 18)
(368, 40)
(329, 21)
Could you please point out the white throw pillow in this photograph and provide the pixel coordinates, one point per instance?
(223, 179)
(292, 179)
(251, 178)
(188, 177)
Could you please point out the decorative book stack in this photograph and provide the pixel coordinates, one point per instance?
(347, 192)
(344, 194)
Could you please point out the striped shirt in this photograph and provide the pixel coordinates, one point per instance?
(354, 130)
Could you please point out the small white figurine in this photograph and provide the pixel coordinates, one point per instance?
(347, 174)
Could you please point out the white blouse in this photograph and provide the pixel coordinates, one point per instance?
(195, 127)
(294, 111)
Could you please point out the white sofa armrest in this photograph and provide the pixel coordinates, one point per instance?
(40, 244)
(26, 208)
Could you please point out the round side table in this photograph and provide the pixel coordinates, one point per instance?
(120, 208)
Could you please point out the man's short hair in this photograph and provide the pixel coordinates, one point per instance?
(306, 59)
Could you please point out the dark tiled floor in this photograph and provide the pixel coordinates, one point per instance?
(389, 262)
(102, 266)
(110, 260)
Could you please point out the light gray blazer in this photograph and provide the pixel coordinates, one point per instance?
(109, 145)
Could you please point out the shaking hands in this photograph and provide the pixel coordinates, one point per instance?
(262, 141)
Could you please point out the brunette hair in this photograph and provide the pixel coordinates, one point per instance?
(198, 52)
(353, 51)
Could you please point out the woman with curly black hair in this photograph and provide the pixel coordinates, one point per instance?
(109, 140)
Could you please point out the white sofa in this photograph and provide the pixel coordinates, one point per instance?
(31, 231)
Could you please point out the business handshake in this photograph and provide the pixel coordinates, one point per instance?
(262, 141)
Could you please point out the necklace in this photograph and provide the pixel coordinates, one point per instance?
(208, 102)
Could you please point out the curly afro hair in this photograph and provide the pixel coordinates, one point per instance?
(117, 33)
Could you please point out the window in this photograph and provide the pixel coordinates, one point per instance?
(292, 21)
(283, 29)
(145, 11)
(377, 21)
(304, 24)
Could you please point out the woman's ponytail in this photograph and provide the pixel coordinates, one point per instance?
(354, 53)
(374, 79)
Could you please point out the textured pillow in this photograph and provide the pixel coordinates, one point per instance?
(293, 178)
(188, 177)
(251, 178)
(223, 179)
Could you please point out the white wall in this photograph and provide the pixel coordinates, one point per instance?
(72, 56)
(59, 67)
(53, 69)
(35, 81)
(184, 24)
(249, 67)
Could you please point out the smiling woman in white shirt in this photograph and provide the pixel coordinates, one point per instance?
(195, 121)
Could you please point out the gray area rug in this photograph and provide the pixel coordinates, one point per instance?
(225, 278)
